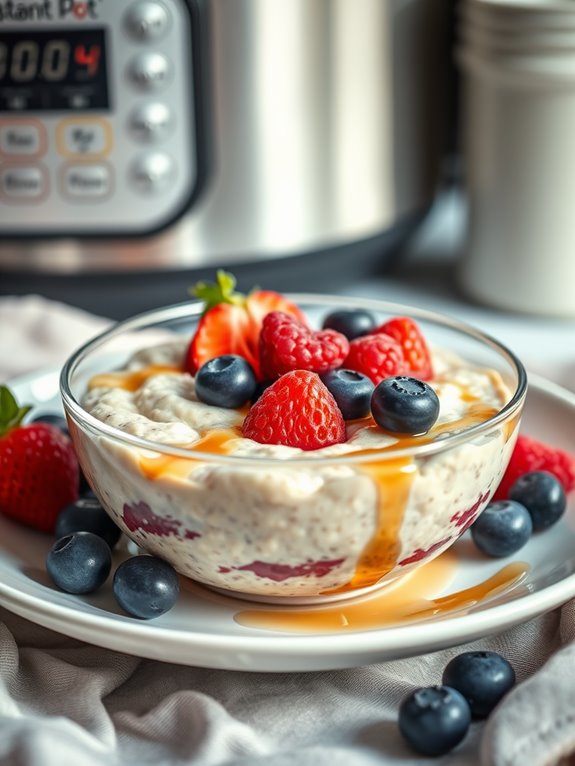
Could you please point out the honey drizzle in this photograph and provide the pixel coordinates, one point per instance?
(214, 442)
(130, 380)
(409, 600)
(393, 479)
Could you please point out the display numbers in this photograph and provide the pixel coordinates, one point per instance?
(28, 61)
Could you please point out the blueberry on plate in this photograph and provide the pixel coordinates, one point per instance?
(434, 720)
(502, 528)
(483, 678)
(225, 381)
(350, 322)
(146, 587)
(79, 563)
(543, 496)
(58, 421)
(351, 390)
(404, 405)
(87, 515)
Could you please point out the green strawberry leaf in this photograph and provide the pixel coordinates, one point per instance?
(11, 414)
(222, 291)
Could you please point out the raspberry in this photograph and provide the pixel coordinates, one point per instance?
(532, 455)
(297, 410)
(415, 349)
(286, 344)
(377, 356)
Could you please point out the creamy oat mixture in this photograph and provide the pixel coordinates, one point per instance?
(278, 530)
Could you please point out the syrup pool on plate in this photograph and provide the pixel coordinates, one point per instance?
(412, 598)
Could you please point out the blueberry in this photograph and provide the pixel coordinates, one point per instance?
(502, 528)
(434, 720)
(87, 515)
(543, 496)
(225, 381)
(404, 405)
(79, 563)
(350, 322)
(146, 586)
(351, 390)
(58, 421)
(483, 678)
(259, 389)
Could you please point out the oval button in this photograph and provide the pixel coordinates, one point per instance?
(151, 122)
(147, 21)
(86, 182)
(23, 184)
(151, 173)
(150, 71)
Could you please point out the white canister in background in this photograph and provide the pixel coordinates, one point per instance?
(519, 165)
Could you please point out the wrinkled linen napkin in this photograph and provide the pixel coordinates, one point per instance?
(65, 702)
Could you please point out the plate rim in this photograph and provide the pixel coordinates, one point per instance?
(382, 643)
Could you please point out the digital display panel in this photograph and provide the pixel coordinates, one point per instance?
(63, 70)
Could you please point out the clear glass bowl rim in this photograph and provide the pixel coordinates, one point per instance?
(193, 309)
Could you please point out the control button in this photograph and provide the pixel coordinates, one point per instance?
(151, 173)
(87, 182)
(23, 184)
(151, 122)
(147, 21)
(84, 137)
(150, 71)
(22, 139)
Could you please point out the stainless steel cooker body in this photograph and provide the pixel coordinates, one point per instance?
(288, 128)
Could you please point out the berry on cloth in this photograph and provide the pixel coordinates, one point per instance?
(502, 528)
(434, 720)
(532, 455)
(297, 410)
(377, 356)
(231, 322)
(412, 341)
(287, 344)
(352, 323)
(404, 405)
(482, 677)
(543, 496)
(39, 472)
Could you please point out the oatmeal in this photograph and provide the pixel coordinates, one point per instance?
(253, 518)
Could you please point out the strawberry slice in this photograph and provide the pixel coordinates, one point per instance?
(231, 322)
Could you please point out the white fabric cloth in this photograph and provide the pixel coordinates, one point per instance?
(65, 702)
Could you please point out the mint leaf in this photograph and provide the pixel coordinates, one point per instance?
(222, 291)
(11, 414)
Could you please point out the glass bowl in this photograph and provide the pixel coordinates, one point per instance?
(281, 524)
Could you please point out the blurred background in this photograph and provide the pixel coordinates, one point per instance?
(416, 149)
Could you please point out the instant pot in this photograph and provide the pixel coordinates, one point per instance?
(145, 143)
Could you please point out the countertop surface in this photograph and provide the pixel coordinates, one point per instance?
(427, 276)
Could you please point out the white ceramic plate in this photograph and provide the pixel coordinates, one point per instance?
(201, 629)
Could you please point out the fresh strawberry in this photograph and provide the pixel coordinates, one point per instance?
(297, 410)
(377, 356)
(287, 344)
(532, 455)
(39, 471)
(415, 349)
(231, 322)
